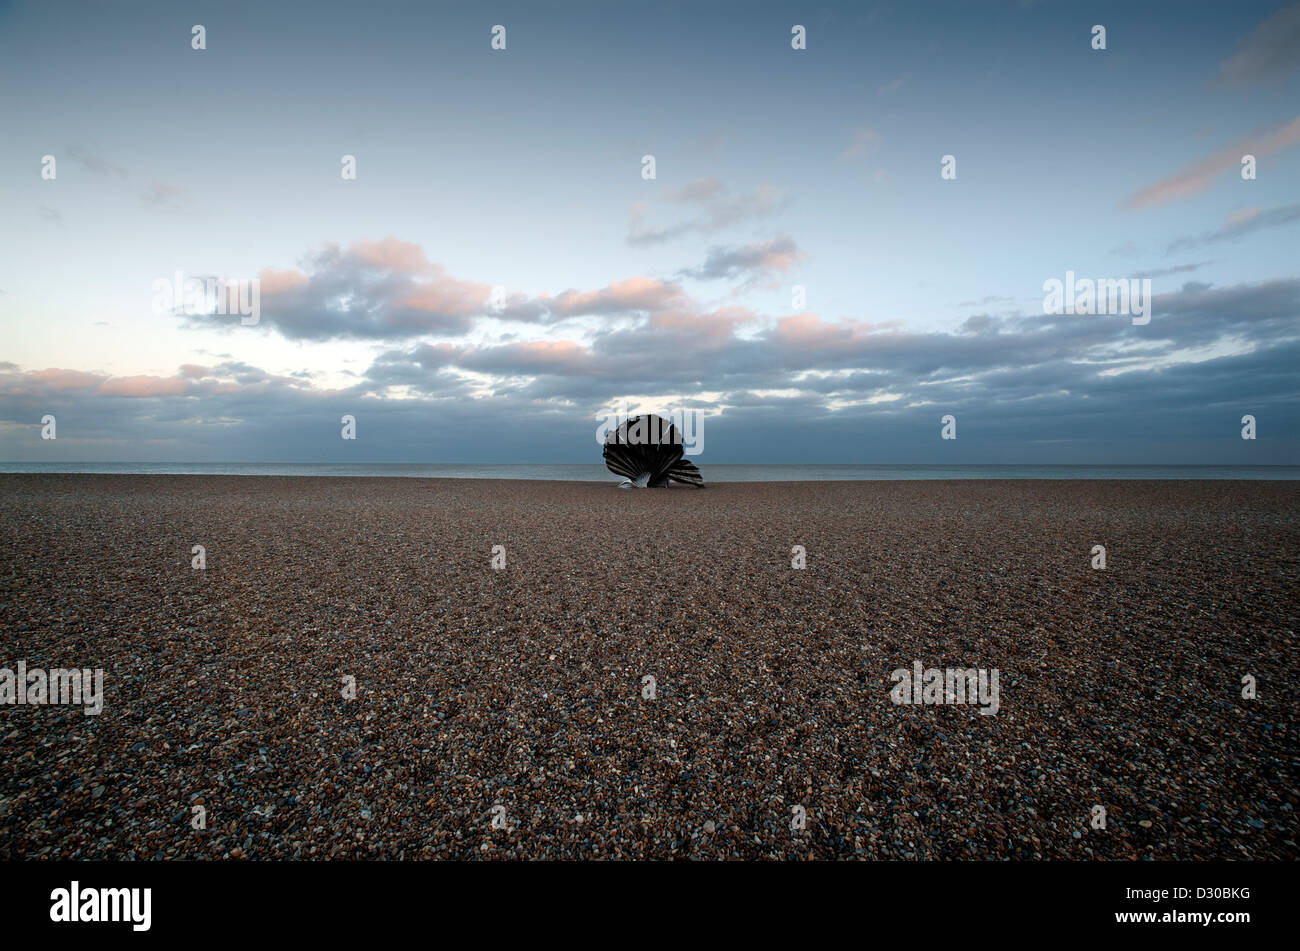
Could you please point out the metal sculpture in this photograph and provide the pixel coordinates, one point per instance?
(647, 451)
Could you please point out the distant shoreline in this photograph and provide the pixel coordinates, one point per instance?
(714, 473)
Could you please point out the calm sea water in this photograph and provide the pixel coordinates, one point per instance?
(712, 473)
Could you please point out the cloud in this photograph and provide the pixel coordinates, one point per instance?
(1195, 178)
(666, 341)
(797, 387)
(862, 142)
(375, 290)
(1241, 223)
(390, 290)
(95, 163)
(142, 386)
(393, 254)
(986, 301)
(890, 87)
(57, 379)
(718, 211)
(713, 142)
(273, 282)
(551, 357)
(162, 195)
(189, 380)
(678, 349)
(700, 190)
(1166, 271)
(708, 328)
(620, 297)
(1268, 54)
(755, 260)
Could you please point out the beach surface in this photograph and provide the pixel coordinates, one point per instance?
(505, 712)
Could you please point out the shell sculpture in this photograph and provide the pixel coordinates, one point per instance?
(647, 452)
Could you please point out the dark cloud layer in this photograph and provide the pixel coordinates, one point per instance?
(1241, 225)
(751, 261)
(1270, 53)
(1026, 388)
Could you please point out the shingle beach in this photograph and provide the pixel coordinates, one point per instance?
(525, 687)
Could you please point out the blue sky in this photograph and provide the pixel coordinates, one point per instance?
(521, 169)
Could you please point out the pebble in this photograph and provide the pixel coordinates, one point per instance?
(524, 686)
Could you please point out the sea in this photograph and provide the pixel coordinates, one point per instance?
(587, 472)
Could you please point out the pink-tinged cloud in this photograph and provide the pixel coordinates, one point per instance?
(1195, 178)
(447, 295)
(370, 290)
(539, 356)
(56, 379)
(142, 386)
(702, 189)
(192, 371)
(758, 260)
(392, 254)
(777, 256)
(720, 323)
(808, 331)
(273, 282)
(1243, 215)
(161, 193)
(633, 293)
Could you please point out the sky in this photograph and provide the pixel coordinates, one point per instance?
(502, 273)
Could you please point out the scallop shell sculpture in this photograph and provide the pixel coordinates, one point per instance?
(647, 451)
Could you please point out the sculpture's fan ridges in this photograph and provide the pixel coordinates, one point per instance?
(648, 451)
(686, 471)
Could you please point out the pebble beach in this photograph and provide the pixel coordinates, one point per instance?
(506, 712)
